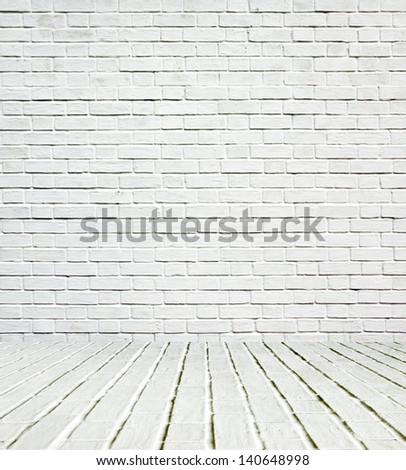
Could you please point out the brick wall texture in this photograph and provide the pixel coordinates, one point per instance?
(207, 107)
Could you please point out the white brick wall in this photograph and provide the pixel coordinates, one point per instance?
(207, 107)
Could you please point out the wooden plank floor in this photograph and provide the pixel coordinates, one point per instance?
(122, 395)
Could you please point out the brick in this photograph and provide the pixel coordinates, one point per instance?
(15, 326)
(281, 326)
(338, 326)
(206, 326)
(17, 6)
(338, 5)
(207, 108)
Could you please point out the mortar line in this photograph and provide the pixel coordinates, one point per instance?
(210, 434)
(165, 431)
(349, 346)
(246, 396)
(338, 418)
(391, 346)
(368, 345)
(301, 429)
(22, 353)
(331, 348)
(126, 413)
(25, 400)
(57, 402)
(78, 419)
(31, 363)
(355, 397)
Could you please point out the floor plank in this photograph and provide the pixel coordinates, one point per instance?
(188, 427)
(129, 395)
(233, 430)
(366, 393)
(141, 430)
(388, 351)
(379, 356)
(325, 426)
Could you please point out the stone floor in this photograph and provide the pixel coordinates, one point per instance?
(122, 395)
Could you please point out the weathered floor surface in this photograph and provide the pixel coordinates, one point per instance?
(122, 395)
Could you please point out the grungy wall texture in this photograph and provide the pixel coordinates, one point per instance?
(207, 107)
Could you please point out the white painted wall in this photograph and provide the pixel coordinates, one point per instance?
(207, 107)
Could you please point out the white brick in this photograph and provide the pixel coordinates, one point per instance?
(336, 5)
(274, 6)
(207, 108)
(18, 5)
